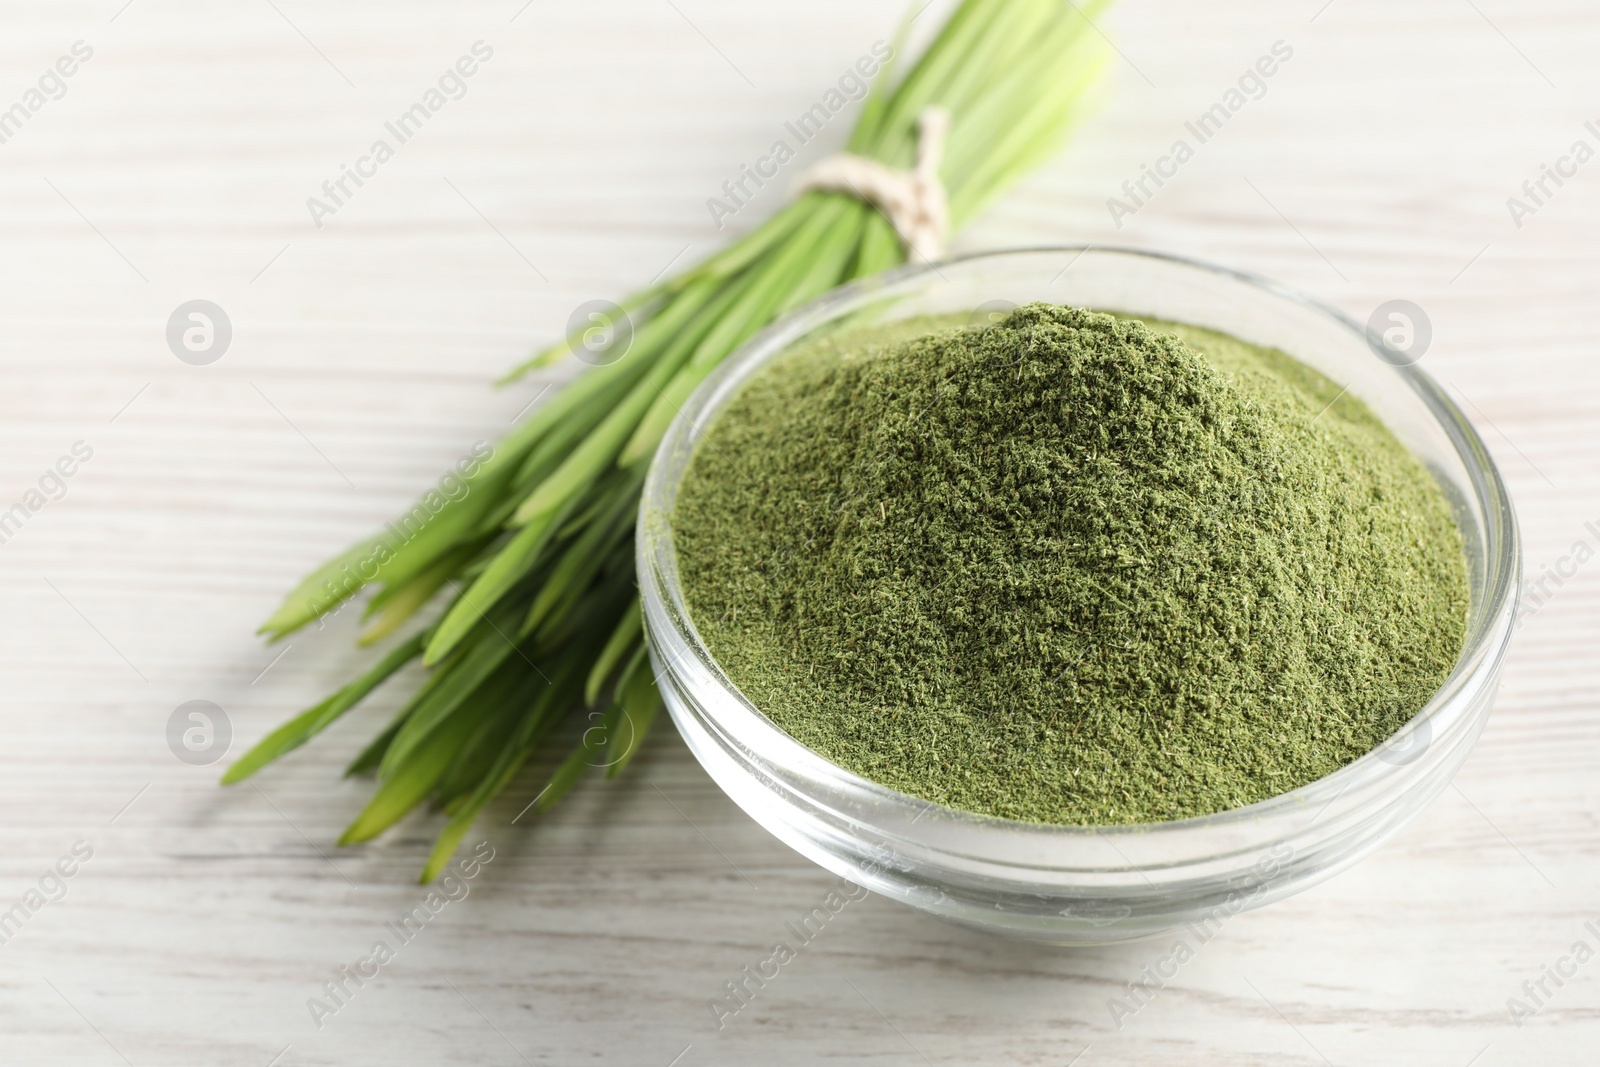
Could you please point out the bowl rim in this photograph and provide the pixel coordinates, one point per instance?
(1489, 631)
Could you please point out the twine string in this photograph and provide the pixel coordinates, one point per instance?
(914, 201)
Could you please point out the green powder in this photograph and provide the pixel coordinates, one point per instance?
(1069, 568)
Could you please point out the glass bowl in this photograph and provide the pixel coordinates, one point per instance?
(1075, 885)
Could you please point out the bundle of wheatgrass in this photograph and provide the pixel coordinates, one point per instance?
(542, 627)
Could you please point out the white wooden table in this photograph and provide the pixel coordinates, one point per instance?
(177, 166)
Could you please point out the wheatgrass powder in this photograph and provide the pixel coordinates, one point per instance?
(1069, 568)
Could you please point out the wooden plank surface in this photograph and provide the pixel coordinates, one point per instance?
(177, 165)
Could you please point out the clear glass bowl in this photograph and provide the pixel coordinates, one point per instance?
(1074, 885)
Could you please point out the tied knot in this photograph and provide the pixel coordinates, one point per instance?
(913, 200)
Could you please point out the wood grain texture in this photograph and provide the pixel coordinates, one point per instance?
(177, 166)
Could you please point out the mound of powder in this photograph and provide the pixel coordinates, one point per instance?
(1069, 568)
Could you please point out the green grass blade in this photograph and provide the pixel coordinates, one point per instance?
(482, 658)
(411, 781)
(597, 451)
(806, 269)
(751, 247)
(507, 695)
(397, 603)
(289, 736)
(584, 557)
(368, 759)
(620, 646)
(580, 761)
(640, 701)
(303, 727)
(631, 305)
(321, 590)
(508, 568)
(541, 716)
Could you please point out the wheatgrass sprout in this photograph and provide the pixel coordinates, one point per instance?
(540, 638)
